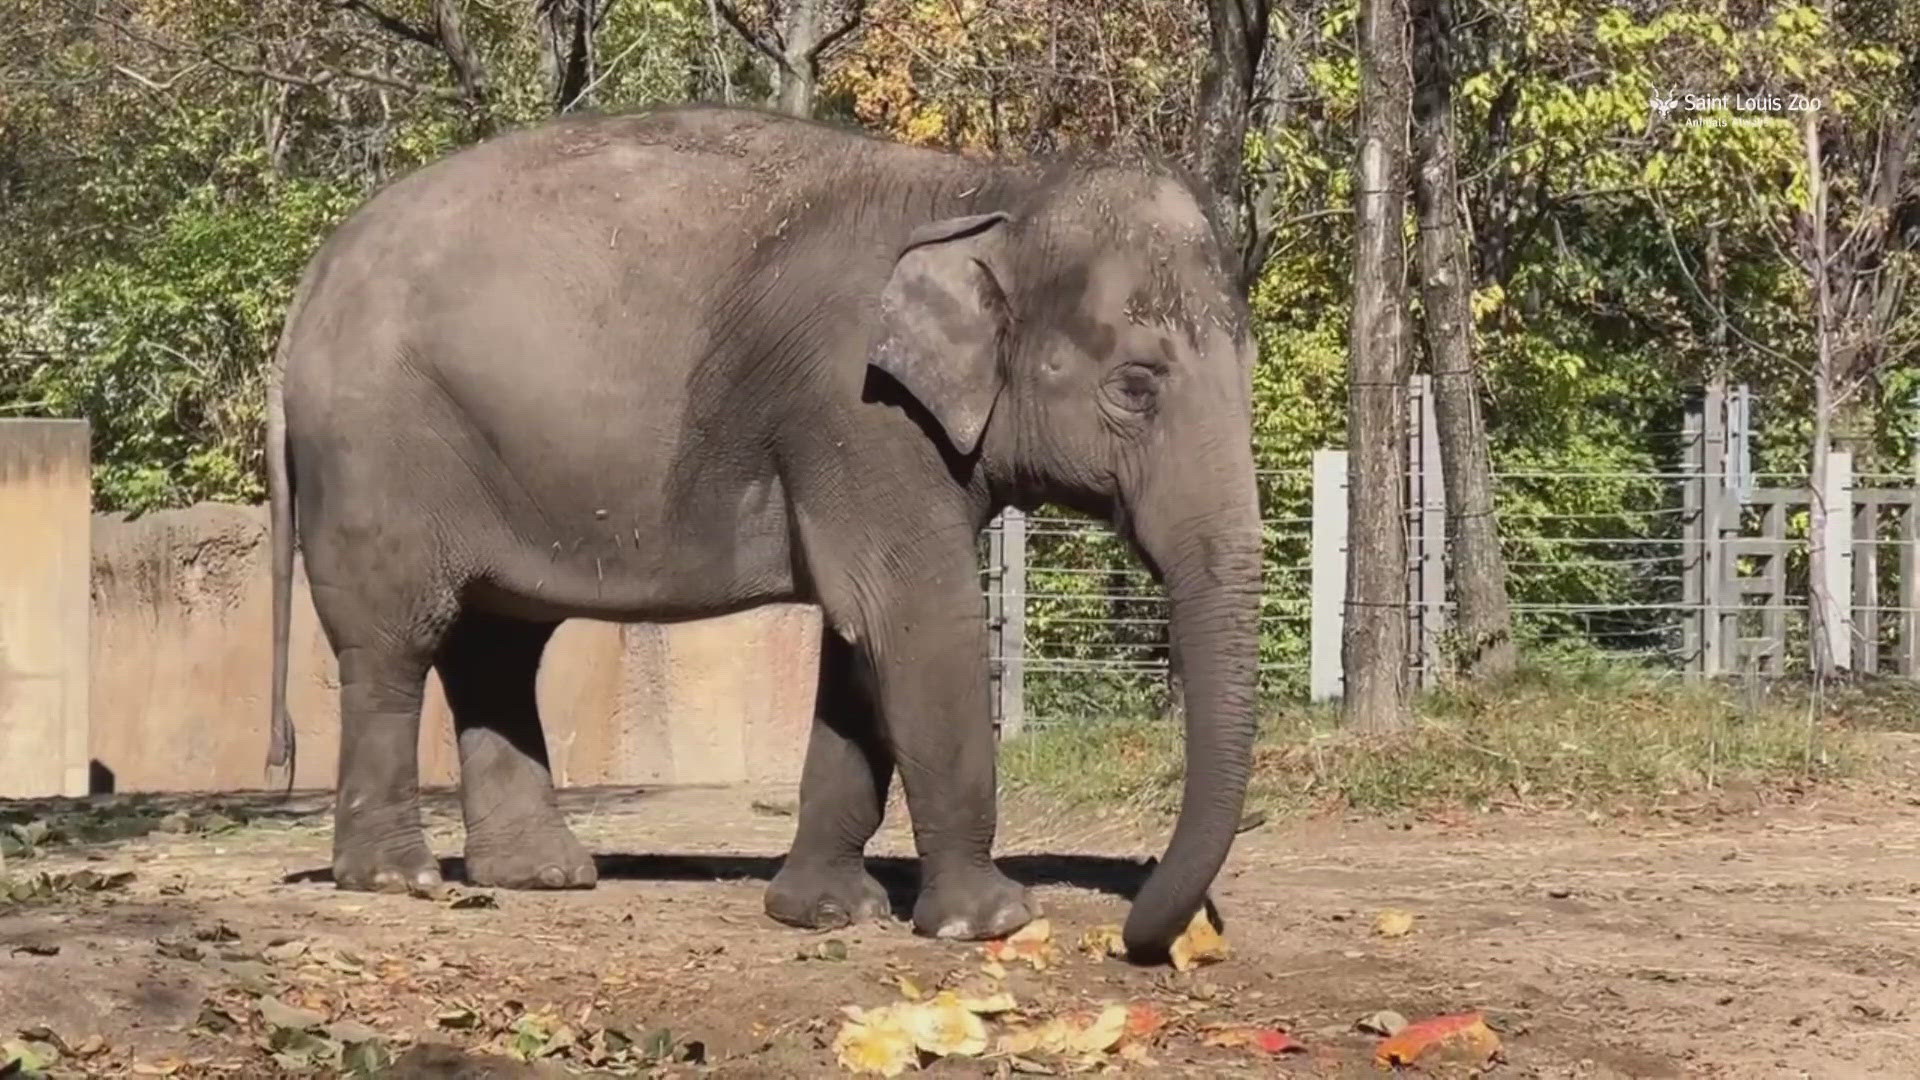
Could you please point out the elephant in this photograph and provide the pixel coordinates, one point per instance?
(689, 360)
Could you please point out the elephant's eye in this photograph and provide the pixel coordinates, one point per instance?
(1134, 387)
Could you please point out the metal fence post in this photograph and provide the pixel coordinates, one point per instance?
(996, 595)
(1328, 584)
(1013, 622)
(1865, 547)
(1427, 560)
(1715, 571)
(1693, 583)
(1910, 577)
(1837, 611)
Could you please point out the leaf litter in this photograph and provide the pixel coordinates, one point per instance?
(1463, 1039)
(976, 1020)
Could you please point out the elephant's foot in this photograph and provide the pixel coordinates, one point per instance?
(547, 857)
(396, 866)
(816, 897)
(972, 906)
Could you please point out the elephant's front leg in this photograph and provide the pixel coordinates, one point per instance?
(930, 663)
(823, 882)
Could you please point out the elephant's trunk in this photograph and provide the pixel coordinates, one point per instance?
(1210, 563)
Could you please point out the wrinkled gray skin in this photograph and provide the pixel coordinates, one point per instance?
(682, 363)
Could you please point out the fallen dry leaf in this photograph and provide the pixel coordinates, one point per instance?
(1079, 1033)
(1265, 1040)
(1032, 943)
(1393, 923)
(875, 1041)
(1385, 1023)
(988, 1004)
(1103, 941)
(1144, 1020)
(1200, 943)
(833, 950)
(944, 1027)
(1464, 1037)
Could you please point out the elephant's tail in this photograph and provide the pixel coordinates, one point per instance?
(280, 530)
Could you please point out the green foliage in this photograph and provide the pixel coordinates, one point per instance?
(164, 348)
(1544, 739)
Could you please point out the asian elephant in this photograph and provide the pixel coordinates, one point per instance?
(680, 363)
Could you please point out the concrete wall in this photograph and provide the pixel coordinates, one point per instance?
(182, 660)
(45, 485)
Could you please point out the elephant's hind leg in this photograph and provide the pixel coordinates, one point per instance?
(823, 883)
(516, 835)
(378, 845)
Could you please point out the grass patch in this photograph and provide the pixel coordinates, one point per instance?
(1539, 739)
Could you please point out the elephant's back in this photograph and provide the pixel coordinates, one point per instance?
(574, 242)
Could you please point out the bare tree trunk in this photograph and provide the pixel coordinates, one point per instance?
(1483, 617)
(1819, 597)
(1217, 140)
(1374, 643)
(1223, 111)
(803, 35)
(468, 70)
(1865, 284)
(719, 55)
(570, 28)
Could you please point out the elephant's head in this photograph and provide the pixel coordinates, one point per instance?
(1087, 347)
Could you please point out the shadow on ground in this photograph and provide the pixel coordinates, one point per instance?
(1098, 873)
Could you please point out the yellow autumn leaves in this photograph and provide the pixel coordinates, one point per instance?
(889, 1039)
(1200, 943)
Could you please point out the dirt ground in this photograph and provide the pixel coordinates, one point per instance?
(1745, 937)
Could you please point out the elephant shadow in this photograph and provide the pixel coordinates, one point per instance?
(1097, 873)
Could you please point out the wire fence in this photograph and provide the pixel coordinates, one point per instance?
(1598, 574)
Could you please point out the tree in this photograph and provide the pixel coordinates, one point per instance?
(1483, 617)
(799, 36)
(1374, 641)
(1853, 288)
(1222, 112)
(571, 28)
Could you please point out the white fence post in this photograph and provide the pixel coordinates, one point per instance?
(1837, 613)
(1325, 679)
(46, 519)
(1427, 554)
(1013, 622)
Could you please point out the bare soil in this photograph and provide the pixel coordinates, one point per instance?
(1745, 936)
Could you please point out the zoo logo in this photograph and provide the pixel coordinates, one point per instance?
(1663, 102)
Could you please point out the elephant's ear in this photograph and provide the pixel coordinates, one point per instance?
(941, 319)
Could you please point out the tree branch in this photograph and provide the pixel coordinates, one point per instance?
(767, 48)
(393, 24)
(855, 13)
(205, 54)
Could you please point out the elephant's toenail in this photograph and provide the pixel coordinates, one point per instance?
(955, 930)
(553, 877)
(586, 875)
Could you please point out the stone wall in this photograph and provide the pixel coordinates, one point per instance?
(182, 662)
